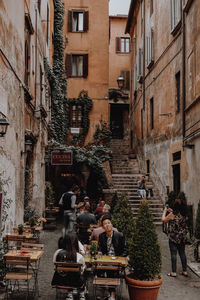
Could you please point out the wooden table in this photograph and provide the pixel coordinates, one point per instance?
(15, 236)
(34, 255)
(105, 258)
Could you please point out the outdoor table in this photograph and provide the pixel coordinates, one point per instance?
(15, 236)
(105, 258)
(34, 254)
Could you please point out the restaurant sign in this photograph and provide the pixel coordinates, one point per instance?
(61, 158)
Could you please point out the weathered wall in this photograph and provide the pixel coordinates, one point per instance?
(168, 136)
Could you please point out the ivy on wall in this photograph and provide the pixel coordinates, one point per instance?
(56, 78)
(86, 103)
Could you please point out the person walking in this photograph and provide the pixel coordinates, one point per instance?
(68, 203)
(177, 231)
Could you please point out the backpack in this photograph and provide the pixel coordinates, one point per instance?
(67, 201)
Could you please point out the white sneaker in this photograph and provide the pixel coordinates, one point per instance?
(69, 297)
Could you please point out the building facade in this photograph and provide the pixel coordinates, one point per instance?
(119, 66)
(164, 115)
(25, 39)
(87, 56)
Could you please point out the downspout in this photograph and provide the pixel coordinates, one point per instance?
(36, 42)
(144, 53)
(184, 74)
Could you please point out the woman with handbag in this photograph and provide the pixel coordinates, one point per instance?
(177, 231)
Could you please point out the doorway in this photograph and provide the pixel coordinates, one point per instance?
(116, 121)
(176, 178)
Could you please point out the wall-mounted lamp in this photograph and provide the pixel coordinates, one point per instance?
(46, 159)
(28, 146)
(3, 126)
(120, 82)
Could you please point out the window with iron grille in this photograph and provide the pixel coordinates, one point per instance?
(122, 45)
(76, 116)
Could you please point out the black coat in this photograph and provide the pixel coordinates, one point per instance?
(118, 241)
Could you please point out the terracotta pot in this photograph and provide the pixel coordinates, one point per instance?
(145, 290)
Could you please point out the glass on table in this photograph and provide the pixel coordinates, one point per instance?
(99, 255)
(14, 249)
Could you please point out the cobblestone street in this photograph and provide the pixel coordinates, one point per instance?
(181, 288)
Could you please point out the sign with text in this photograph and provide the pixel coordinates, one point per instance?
(61, 158)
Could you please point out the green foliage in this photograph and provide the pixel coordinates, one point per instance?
(93, 248)
(102, 135)
(171, 197)
(56, 79)
(113, 203)
(30, 212)
(122, 217)
(86, 103)
(144, 248)
(20, 227)
(197, 223)
(49, 194)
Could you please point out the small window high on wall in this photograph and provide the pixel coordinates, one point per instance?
(77, 65)
(75, 116)
(122, 45)
(78, 21)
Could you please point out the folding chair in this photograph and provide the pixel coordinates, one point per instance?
(112, 272)
(14, 277)
(68, 268)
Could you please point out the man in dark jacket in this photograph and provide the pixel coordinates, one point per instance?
(111, 243)
(83, 223)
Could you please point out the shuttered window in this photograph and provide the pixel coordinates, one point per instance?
(75, 116)
(135, 78)
(139, 64)
(78, 21)
(126, 76)
(175, 13)
(76, 65)
(150, 49)
(122, 45)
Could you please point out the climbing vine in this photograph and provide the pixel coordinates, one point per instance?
(56, 79)
(86, 104)
(103, 135)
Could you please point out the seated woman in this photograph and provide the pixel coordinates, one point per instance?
(69, 253)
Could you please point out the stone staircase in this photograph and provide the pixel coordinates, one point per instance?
(125, 174)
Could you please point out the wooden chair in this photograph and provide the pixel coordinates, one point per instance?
(15, 276)
(32, 246)
(82, 233)
(67, 267)
(113, 271)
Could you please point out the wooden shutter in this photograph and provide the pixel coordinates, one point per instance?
(68, 65)
(118, 44)
(85, 65)
(69, 21)
(86, 21)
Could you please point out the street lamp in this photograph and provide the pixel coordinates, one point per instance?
(3, 126)
(120, 82)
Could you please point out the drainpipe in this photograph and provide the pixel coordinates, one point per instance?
(144, 53)
(184, 74)
(36, 42)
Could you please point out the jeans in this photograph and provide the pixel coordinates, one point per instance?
(181, 250)
(69, 219)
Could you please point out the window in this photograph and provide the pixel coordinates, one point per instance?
(177, 156)
(150, 49)
(151, 7)
(39, 5)
(126, 76)
(151, 114)
(27, 72)
(78, 21)
(122, 45)
(77, 65)
(175, 13)
(142, 17)
(139, 59)
(135, 78)
(178, 91)
(75, 116)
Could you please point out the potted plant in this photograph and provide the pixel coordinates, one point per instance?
(144, 278)
(20, 228)
(93, 248)
(32, 222)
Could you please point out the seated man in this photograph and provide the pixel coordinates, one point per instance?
(83, 221)
(111, 243)
(97, 231)
(141, 187)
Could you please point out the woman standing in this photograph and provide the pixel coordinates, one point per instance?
(69, 253)
(177, 232)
